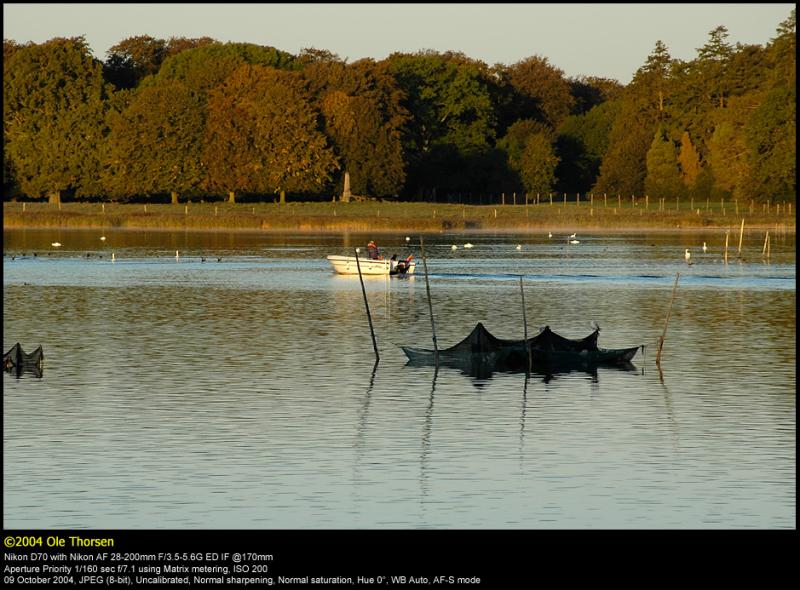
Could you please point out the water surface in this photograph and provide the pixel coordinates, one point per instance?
(241, 392)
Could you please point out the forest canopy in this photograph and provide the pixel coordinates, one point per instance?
(199, 119)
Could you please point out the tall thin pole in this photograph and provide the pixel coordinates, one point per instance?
(430, 305)
(727, 235)
(525, 324)
(369, 316)
(741, 233)
(666, 321)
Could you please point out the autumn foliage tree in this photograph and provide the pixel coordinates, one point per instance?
(362, 117)
(263, 136)
(54, 103)
(155, 143)
(428, 125)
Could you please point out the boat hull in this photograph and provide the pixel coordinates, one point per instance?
(347, 265)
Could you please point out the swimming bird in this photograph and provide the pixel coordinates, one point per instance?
(595, 326)
(687, 255)
(468, 245)
(176, 255)
(102, 238)
(519, 246)
(202, 259)
(454, 247)
(572, 236)
(574, 241)
(408, 239)
(219, 258)
(113, 258)
(704, 247)
(549, 234)
(56, 244)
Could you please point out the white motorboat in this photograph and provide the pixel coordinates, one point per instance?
(347, 265)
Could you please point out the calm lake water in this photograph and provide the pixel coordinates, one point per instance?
(242, 393)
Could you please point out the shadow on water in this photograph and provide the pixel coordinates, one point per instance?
(481, 369)
(26, 371)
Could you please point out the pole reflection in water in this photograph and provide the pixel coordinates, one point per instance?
(358, 444)
(426, 441)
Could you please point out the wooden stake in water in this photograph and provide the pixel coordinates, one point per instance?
(741, 233)
(766, 239)
(666, 321)
(525, 324)
(430, 305)
(366, 304)
(727, 235)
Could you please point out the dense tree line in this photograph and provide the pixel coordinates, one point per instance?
(195, 118)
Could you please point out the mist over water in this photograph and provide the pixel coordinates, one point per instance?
(242, 392)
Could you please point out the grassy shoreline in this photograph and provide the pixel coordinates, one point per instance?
(387, 217)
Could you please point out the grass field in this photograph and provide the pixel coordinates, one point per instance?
(372, 216)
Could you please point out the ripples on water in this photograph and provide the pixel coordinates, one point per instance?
(241, 393)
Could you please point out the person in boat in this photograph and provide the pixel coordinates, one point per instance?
(402, 265)
(373, 252)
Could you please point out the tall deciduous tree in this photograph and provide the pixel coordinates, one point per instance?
(54, 102)
(729, 161)
(132, 59)
(205, 67)
(529, 152)
(546, 94)
(581, 145)
(363, 118)
(643, 108)
(370, 151)
(690, 164)
(263, 135)
(538, 165)
(452, 118)
(155, 143)
(771, 136)
(663, 175)
(592, 91)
